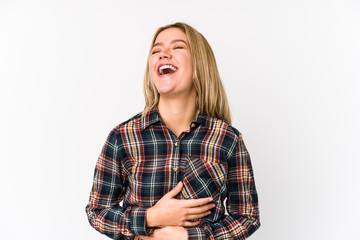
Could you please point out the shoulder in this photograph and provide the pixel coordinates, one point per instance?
(224, 134)
(132, 123)
(219, 125)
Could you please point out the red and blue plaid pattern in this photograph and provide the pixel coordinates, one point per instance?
(142, 160)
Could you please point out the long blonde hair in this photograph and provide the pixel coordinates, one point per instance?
(211, 97)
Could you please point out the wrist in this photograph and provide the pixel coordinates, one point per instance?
(185, 233)
(150, 217)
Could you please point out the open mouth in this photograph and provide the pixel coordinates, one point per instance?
(167, 69)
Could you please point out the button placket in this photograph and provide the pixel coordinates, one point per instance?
(175, 166)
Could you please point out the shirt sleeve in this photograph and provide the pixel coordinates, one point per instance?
(103, 210)
(241, 204)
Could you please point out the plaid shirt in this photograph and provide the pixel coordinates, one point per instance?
(142, 160)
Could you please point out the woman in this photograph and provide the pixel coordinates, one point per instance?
(177, 163)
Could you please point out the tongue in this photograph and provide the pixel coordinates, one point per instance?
(167, 70)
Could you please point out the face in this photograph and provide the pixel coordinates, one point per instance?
(171, 64)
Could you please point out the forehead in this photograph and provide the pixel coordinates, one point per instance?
(171, 34)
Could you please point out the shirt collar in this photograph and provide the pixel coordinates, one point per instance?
(153, 116)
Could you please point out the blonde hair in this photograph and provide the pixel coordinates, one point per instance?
(211, 97)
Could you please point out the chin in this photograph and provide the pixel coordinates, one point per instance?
(165, 93)
(165, 90)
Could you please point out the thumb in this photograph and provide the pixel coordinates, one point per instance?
(175, 190)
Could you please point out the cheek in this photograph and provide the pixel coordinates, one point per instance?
(189, 67)
(151, 64)
(151, 69)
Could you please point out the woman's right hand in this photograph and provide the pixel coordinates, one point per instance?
(169, 211)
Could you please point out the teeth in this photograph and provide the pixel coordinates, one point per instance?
(161, 69)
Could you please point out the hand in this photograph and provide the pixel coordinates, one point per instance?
(166, 233)
(169, 211)
(169, 233)
(139, 237)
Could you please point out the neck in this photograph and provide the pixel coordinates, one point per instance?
(176, 113)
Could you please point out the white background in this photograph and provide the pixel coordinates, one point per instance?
(72, 70)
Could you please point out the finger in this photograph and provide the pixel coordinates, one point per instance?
(175, 191)
(201, 209)
(196, 202)
(143, 238)
(191, 224)
(197, 216)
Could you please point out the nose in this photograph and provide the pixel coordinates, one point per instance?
(164, 54)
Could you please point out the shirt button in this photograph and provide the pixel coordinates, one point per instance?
(193, 125)
(176, 144)
(175, 169)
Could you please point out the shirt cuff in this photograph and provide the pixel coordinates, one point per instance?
(138, 221)
(196, 233)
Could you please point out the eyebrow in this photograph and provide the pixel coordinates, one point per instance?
(172, 42)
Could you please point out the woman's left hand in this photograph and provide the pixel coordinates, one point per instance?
(167, 233)
(171, 232)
